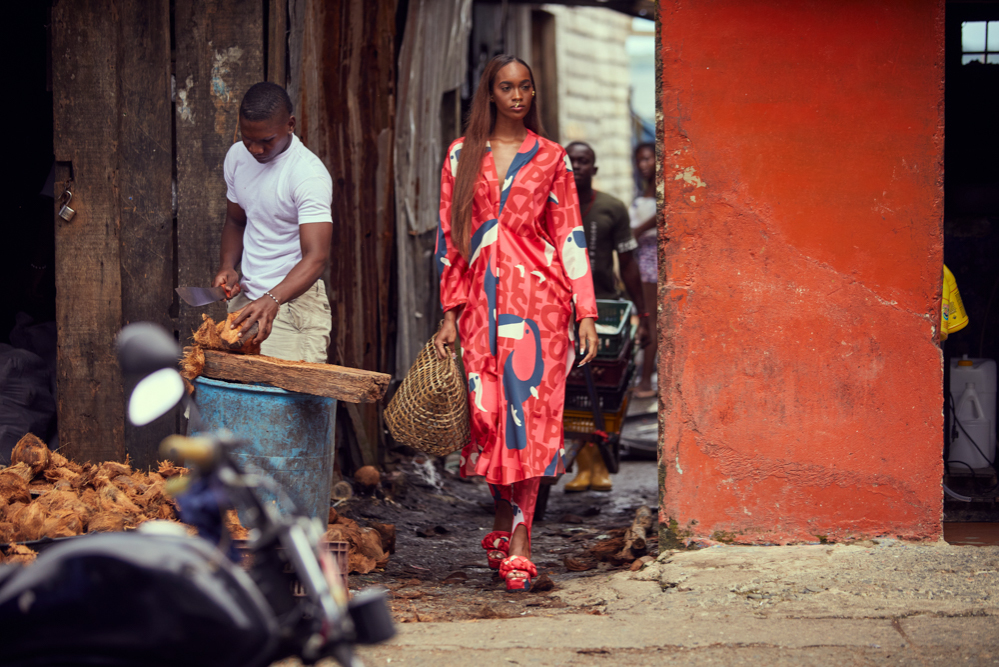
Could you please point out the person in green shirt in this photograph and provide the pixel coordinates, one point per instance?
(608, 230)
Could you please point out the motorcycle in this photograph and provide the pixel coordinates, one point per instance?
(157, 596)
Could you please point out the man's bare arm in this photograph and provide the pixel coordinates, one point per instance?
(315, 240)
(232, 249)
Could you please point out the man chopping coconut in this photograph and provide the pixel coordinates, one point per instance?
(278, 224)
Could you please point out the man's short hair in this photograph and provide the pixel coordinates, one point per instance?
(263, 101)
(585, 145)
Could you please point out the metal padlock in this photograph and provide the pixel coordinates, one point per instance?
(66, 213)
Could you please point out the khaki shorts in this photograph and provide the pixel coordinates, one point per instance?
(301, 330)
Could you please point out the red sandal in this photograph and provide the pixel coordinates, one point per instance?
(497, 546)
(517, 571)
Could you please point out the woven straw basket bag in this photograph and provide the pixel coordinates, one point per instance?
(429, 411)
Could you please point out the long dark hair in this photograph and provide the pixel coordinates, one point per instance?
(478, 126)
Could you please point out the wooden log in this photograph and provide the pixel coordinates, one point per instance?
(351, 385)
(634, 537)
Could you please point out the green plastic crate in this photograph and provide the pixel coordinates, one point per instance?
(615, 314)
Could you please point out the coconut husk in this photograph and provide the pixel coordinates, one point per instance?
(207, 336)
(89, 496)
(606, 550)
(166, 512)
(167, 469)
(58, 474)
(111, 498)
(106, 522)
(58, 501)
(7, 532)
(29, 522)
(192, 363)
(60, 461)
(370, 544)
(235, 528)
(387, 532)
(19, 554)
(358, 563)
(22, 470)
(13, 488)
(39, 486)
(367, 476)
(245, 345)
(62, 523)
(212, 336)
(113, 469)
(62, 485)
(86, 477)
(31, 451)
(7, 512)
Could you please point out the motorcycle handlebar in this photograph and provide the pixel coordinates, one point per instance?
(199, 451)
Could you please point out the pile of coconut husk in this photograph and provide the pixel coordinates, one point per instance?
(43, 494)
(369, 547)
(212, 336)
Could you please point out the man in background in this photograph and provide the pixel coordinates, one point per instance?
(608, 229)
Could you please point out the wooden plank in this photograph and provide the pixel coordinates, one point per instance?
(219, 56)
(351, 385)
(145, 194)
(85, 80)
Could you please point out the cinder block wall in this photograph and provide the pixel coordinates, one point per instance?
(801, 259)
(594, 82)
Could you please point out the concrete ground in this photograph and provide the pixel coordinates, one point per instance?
(883, 602)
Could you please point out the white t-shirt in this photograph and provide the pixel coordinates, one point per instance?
(292, 189)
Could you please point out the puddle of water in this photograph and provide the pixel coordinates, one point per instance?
(971, 533)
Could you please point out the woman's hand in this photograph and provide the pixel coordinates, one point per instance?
(587, 339)
(447, 335)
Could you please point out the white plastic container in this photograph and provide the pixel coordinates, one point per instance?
(973, 387)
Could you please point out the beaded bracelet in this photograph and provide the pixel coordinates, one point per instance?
(273, 297)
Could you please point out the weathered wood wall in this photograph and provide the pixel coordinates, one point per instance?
(86, 96)
(343, 72)
(127, 144)
(145, 199)
(219, 55)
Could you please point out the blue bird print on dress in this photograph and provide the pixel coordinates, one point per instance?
(519, 161)
(515, 390)
(574, 254)
(489, 286)
(486, 235)
(440, 256)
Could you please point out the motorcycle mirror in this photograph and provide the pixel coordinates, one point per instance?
(144, 347)
(154, 396)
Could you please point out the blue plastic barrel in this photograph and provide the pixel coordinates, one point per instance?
(288, 436)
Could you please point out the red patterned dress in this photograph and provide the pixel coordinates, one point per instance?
(527, 267)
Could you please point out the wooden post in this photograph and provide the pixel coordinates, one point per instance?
(219, 55)
(86, 98)
(346, 81)
(145, 199)
(277, 42)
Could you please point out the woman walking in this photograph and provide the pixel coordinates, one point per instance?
(643, 226)
(511, 252)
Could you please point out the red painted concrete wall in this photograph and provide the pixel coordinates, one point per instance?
(801, 174)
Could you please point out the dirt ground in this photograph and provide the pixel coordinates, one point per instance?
(439, 570)
(877, 602)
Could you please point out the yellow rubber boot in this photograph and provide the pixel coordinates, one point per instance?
(583, 464)
(599, 476)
